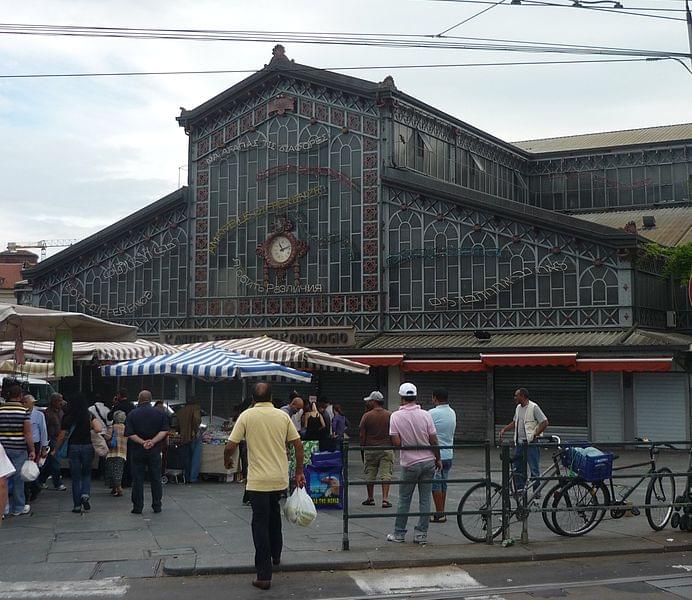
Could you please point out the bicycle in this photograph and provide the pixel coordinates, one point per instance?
(583, 504)
(475, 526)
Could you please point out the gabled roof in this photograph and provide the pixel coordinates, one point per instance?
(280, 65)
(94, 241)
(608, 139)
(553, 221)
(673, 224)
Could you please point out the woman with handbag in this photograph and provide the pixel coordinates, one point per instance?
(75, 433)
(117, 453)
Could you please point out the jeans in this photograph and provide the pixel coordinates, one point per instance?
(142, 460)
(266, 531)
(412, 476)
(440, 484)
(17, 499)
(533, 460)
(51, 468)
(81, 457)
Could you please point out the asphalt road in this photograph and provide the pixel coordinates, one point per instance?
(633, 577)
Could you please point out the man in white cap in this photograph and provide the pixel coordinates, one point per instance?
(412, 426)
(374, 431)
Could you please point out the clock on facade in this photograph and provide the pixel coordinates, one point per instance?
(282, 250)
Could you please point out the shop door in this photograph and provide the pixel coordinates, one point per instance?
(660, 401)
(467, 396)
(607, 413)
(561, 394)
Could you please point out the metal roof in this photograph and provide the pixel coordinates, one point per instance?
(467, 343)
(673, 225)
(592, 141)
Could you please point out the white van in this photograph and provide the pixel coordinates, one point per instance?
(38, 388)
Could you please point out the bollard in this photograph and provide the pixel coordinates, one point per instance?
(524, 496)
(488, 496)
(506, 504)
(344, 460)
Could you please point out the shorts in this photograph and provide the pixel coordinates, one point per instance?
(6, 466)
(379, 465)
(440, 483)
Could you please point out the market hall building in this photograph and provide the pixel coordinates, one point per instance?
(347, 215)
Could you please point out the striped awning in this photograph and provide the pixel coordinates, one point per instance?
(292, 355)
(87, 351)
(208, 363)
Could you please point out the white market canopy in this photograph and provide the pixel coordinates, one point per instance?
(87, 351)
(300, 357)
(206, 363)
(32, 323)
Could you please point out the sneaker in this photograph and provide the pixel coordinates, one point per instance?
(60, 488)
(85, 503)
(398, 539)
(422, 540)
(25, 511)
(77, 510)
(44, 486)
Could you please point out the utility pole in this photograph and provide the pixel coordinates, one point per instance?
(689, 26)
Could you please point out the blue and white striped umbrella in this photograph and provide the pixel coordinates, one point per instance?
(207, 363)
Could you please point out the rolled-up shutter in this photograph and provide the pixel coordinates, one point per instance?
(348, 390)
(467, 396)
(607, 414)
(660, 401)
(561, 394)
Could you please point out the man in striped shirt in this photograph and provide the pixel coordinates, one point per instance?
(16, 438)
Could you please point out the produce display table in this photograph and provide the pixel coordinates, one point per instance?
(212, 462)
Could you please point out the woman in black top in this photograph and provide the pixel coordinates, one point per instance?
(75, 430)
(313, 424)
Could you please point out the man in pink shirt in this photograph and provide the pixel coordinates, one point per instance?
(412, 426)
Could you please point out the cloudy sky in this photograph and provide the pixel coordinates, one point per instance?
(78, 154)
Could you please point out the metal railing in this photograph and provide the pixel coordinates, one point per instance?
(524, 504)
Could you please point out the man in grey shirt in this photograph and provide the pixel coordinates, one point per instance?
(529, 422)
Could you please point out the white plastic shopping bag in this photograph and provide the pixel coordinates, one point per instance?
(29, 471)
(299, 508)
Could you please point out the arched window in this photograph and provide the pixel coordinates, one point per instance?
(598, 286)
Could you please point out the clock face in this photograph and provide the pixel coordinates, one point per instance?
(281, 249)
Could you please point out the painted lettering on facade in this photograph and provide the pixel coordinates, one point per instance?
(271, 288)
(503, 284)
(434, 253)
(265, 143)
(104, 311)
(143, 255)
(231, 224)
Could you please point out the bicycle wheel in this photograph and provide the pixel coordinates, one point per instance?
(581, 499)
(475, 526)
(549, 501)
(661, 490)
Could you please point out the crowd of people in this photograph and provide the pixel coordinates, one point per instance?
(127, 437)
(134, 436)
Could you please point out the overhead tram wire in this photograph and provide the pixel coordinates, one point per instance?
(354, 68)
(478, 14)
(348, 39)
(546, 3)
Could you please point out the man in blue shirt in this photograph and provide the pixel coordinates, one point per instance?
(445, 420)
(39, 433)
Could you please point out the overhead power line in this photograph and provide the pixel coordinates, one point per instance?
(384, 40)
(478, 14)
(353, 68)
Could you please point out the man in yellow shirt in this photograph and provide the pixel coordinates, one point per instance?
(266, 430)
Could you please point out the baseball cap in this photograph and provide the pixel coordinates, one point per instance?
(407, 390)
(374, 396)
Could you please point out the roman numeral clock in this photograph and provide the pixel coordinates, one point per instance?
(282, 250)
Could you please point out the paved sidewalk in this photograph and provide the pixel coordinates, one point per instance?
(205, 529)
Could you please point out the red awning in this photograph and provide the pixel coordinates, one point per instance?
(441, 366)
(529, 360)
(376, 360)
(628, 365)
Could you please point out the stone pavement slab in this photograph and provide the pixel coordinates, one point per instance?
(204, 528)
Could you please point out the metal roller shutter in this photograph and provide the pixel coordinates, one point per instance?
(467, 396)
(349, 389)
(660, 401)
(561, 394)
(607, 411)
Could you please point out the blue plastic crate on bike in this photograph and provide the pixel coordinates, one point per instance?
(589, 463)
